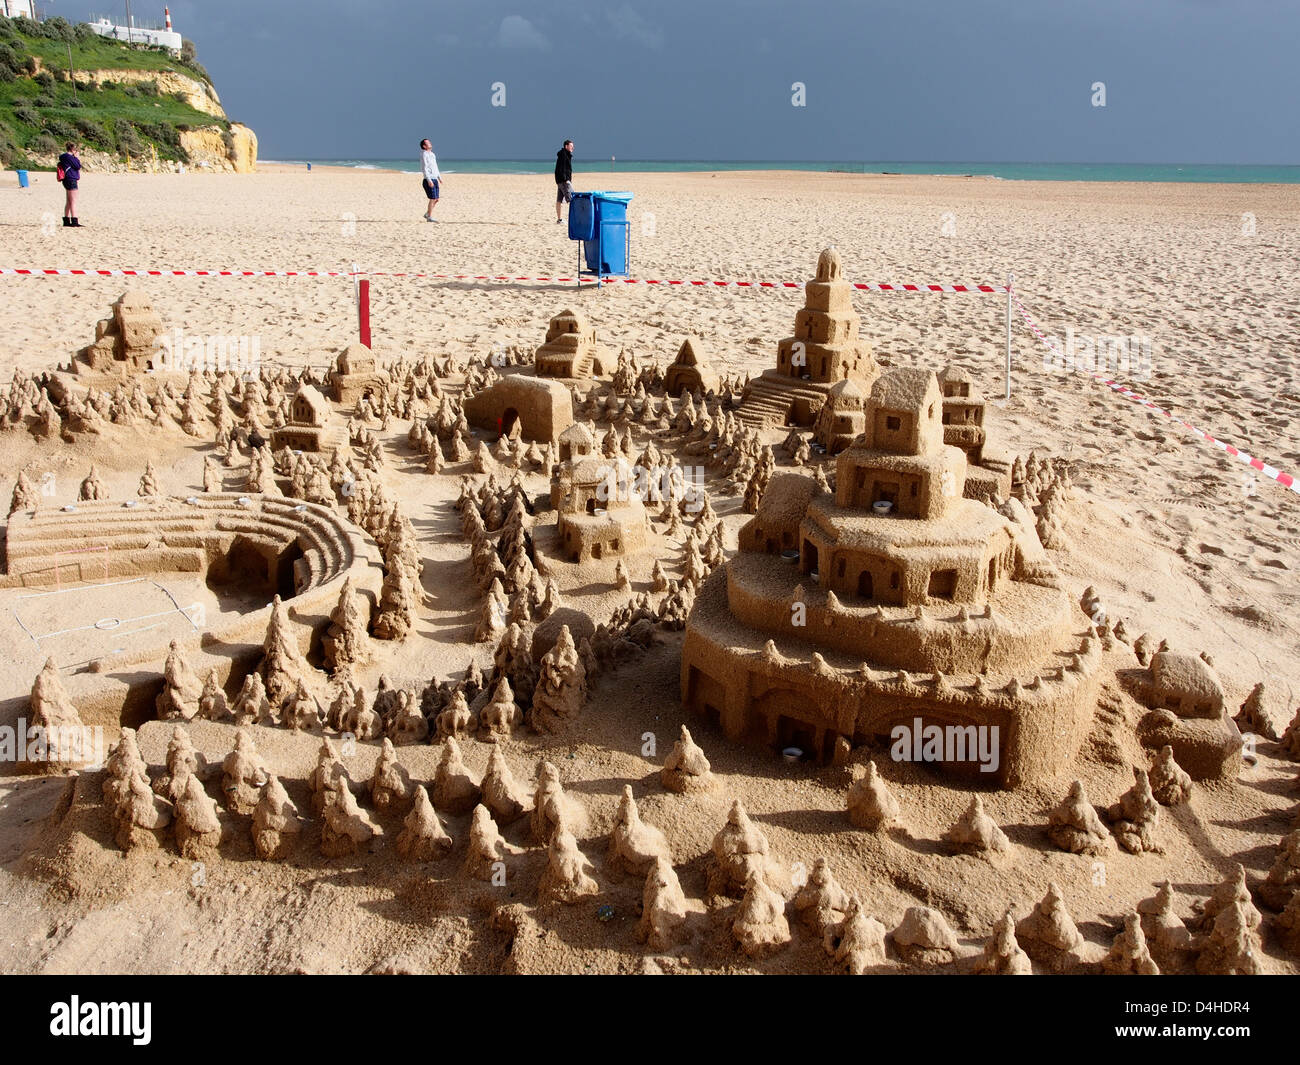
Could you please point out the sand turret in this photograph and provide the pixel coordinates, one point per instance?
(423, 838)
(1002, 954)
(1074, 825)
(634, 845)
(760, 926)
(454, 789)
(739, 851)
(686, 769)
(871, 804)
(1049, 935)
(390, 787)
(276, 824)
(567, 877)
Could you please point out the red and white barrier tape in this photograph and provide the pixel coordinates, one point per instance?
(873, 286)
(1284, 479)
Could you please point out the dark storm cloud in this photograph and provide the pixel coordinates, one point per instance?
(1186, 80)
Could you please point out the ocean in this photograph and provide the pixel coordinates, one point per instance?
(1180, 172)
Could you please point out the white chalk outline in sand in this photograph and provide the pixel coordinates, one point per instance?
(188, 612)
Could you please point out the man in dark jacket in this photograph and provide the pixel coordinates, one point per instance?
(563, 177)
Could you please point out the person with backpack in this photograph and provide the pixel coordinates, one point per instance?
(69, 176)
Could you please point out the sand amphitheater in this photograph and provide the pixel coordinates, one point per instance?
(556, 659)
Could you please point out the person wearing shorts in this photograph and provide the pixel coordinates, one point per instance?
(432, 177)
(563, 177)
(71, 167)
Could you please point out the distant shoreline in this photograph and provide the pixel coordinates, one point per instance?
(1185, 173)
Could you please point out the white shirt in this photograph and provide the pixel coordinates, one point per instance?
(429, 164)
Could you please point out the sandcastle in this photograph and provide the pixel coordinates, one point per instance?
(125, 343)
(540, 409)
(896, 602)
(570, 349)
(312, 425)
(599, 512)
(690, 371)
(824, 350)
(356, 376)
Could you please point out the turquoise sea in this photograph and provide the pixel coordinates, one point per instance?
(1192, 172)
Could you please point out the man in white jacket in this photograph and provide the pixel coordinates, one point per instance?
(432, 180)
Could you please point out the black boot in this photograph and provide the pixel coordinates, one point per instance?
(67, 221)
(75, 223)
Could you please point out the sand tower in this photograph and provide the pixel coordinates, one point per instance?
(824, 350)
(124, 343)
(895, 600)
(570, 349)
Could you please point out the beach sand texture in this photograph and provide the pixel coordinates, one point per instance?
(1173, 533)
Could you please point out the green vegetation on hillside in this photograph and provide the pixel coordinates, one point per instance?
(39, 111)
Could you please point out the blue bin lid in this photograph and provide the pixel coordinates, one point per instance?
(621, 196)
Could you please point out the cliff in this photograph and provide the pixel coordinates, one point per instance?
(127, 107)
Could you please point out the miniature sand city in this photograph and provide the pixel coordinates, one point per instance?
(589, 655)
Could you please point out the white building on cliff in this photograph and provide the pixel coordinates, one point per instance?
(138, 33)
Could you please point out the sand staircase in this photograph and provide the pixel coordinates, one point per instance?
(768, 400)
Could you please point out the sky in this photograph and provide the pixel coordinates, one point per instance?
(1185, 81)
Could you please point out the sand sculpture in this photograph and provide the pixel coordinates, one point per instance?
(663, 907)
(486, 852)
(925, 938)
(1283, 880)
(599, 513)
(1136, 815)
(570, 350)
(182, 762)
(1129, 954)
(1189, 715)
(552, 807)
(356, 376)
(567, 876)
(760, 926)
(686, 769)
(198, 828)
(1169, 783)
(276, 823)
(125, 343)
(346, 826)
(634, 846)
(535, 408)
(454, 789)
(1074, 825)
(739, 854)
(690, 371)
(811, 635)
(821, 904)
(870, 802)
(1048, 934)
(859, 943)
(53, 712)
(390, 787)
(1166, 934)
(976, 832)
(423, 838)
(561, 686)
(1002, 955)
(311, 425)
(504, 799)
(824, 350)
(243, 774)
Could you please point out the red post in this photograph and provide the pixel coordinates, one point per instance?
(363, 311)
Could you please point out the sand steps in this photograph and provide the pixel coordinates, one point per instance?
(767, 402)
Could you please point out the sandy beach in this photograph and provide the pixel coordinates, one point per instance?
(1173, 533)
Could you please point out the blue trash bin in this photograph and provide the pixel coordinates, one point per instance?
(582, 216)
(599, 220)
(22, 179)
